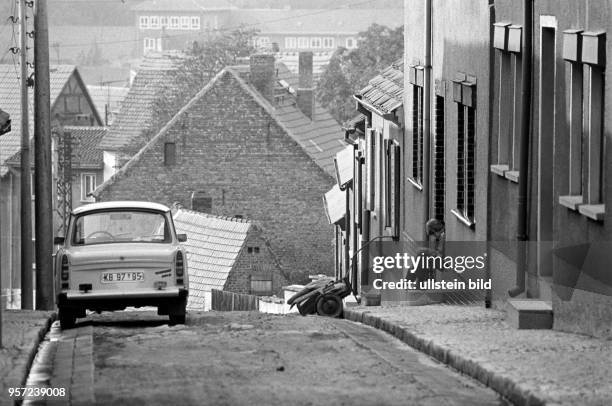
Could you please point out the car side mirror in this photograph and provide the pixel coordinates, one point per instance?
(182, 237)
(59, 240)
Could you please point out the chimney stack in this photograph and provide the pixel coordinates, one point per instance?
(263, 74)
(201, 202)
(305, 90)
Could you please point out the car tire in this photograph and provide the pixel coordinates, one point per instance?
(67, 318)
(176, 319)
(329, 305)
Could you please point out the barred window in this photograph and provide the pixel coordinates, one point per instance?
(417, 134)
(466, 162)
(438, 160)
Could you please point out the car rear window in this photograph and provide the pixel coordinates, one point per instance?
(121, 226)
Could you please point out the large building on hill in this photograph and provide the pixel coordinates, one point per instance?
(251, 143)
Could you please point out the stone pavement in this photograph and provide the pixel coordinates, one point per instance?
(22, 331)
(529, 367)
(64, 365)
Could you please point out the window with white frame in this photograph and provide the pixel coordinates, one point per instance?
(351, 43)
(144, 22)
(149, 44)
(195, 23)
(163, 21)
(174, 22)
(302, 42)
(328, 42)
(184, 23)
(315, 42)
(290, 43)
(154, 22)
(88, 185)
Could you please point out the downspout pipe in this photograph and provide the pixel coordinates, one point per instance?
(523, 221)
(426, 118)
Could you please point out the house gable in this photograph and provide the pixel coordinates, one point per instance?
(228, 144)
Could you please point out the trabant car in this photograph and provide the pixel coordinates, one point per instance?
(121, 254)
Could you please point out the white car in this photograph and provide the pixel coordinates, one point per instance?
(120, 254)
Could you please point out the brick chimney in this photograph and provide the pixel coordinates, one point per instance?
(305, 90)
(201, 202)
(263, 74)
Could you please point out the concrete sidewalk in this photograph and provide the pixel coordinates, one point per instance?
(22, 331)
(529, 367)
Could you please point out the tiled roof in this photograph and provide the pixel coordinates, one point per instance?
(136, 111)
(85, 154)
(321, 137)
(10, 99)
(110, 96)
(316, 21)
(183, 5)
(213, 245)
(385, 91)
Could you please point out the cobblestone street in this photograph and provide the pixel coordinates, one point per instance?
(244, 358)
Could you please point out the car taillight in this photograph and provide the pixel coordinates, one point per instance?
(65, 268)
(179, 265)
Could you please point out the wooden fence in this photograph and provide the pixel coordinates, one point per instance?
(229, 301)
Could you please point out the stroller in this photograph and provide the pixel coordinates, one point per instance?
(323, 297)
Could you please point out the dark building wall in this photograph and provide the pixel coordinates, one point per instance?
(457, 48)
(584, 305)
(229, 147)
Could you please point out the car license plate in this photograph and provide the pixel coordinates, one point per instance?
(113, 277)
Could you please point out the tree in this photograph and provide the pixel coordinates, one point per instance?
(205, 58)
(349, 71)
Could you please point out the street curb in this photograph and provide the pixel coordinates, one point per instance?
(32, 352)
(501, 384)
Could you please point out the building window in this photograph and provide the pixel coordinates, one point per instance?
(174, 22)
(351, 43)
(392, 186)
(417, 134)
(195, 23)
(184, 23)
(438, 160)
(154, 22)
(169, 153)
(88, 185)
(290, 43)
(509, 115)
(163, 21)
(302, 42)
(261, 285)
(328, 42)
(466, 163)
(144, 22)
(315, 42)
(150, 44)
(593, 139)
(263, 42)
(253, 250)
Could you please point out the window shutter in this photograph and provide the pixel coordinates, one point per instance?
(370, 168)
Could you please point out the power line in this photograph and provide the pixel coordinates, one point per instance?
(227, 29)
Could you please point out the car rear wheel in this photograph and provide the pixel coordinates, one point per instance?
(67, 318)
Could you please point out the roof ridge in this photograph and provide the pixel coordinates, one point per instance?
(215, 216)
(117, 175)
(270, 109)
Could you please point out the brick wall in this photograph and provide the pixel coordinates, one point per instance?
(230, 148)
(249, 263)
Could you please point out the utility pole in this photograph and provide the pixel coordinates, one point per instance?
(26, 177)
(42, 162)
